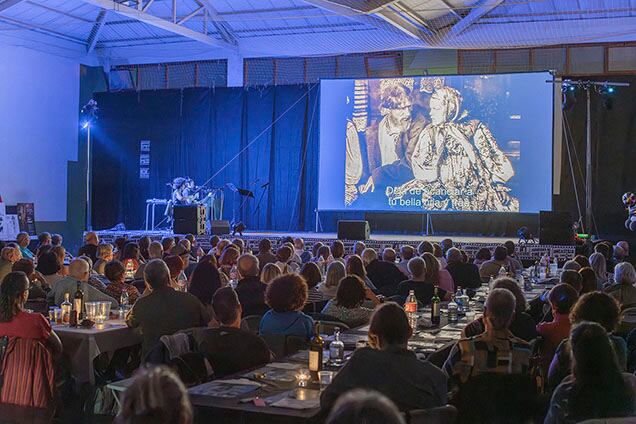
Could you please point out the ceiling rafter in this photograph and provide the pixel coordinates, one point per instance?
(157, 22)
(6, 4)
(411, 25)
(97, 29)
(473, 16)
(222, 27)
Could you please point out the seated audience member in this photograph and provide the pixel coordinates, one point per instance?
(605, 249)
(625, 246)
(593, 307)
(364, 406)
(358, 248)
(623, 289)
(56, 240)
(155, 251)
(439, 255)
(314, 250)
(492, 267)
(79, 273)
(348, 304)
(582, 260)
(167, 244)
(205, 281)
(175, 266)
(335, 273)
(464, 274)
(270, 272)
(406, 254)
(424, 247)
(295, 259)
(164, 311)
(495, 350)
(131, 254)
(323, 256)
(283, 260)
(588, 280)
(116, 274)
(599, 265)
(436, 275)
(228, 348)
(286, 296)
(144, 246)
(423, 289)
(239, 243)
(619, 255)
(183, 251)
(250, 289)
(571, 278)
(539, 307)
(313, 277)
(299, 247)
(596, 388)
(511, 248)
(384, 275)
(354, 265)
(94, 279)
(562, 298)
(156, 395)
(49, 267)
(62, 257)
(389, 367)
(571, 265)
(522, 325)
(91, 241)
(38, 286)
(23, 239)
(15, 321)
(338, 251)
(104, 255)
(44, 239)
(228, 259)
(8, 256)
(446, 244)
(483, 255)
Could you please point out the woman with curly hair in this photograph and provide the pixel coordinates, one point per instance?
(286, 296)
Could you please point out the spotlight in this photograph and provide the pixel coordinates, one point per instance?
(610, 90)
(571, 88)
(85, 125)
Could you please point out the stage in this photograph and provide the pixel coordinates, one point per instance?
(378, 241)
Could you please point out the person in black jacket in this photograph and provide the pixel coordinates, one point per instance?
(250, 289)
(384, 275)
(464, 274)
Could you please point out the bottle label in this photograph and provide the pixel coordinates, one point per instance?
(435, 309)
(314, 360)
(77, 305)
(410, 307)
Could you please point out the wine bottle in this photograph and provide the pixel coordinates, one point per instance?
(67, 307)
(78, 302)
(435, 312)
(315, 353)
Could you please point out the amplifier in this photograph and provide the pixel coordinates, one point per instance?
(189, 219)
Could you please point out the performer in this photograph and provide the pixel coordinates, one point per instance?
(629, 200)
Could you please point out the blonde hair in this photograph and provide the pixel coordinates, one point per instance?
(269, 272)
(104, 250)
(335, 273)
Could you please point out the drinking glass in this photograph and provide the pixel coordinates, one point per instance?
(325, 378)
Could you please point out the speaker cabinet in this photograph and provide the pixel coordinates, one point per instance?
(353, 230)
(189, 219)
(220, 227)
(555, 228)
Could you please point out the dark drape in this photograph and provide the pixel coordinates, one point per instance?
(249, 137)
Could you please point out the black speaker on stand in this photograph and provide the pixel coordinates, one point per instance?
(189, 219)
(556, 228)
(353, 230)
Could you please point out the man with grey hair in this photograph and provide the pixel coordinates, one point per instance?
(250, 289)
(358, 248)
(385, 275)
(423, 290)
(8, 256)
(464, 275)
(78, 275)
(164, 311)
(623, 289)
(23, 240)
(494, 351)
(155, 251)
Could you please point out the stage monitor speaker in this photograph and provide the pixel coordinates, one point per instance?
(189, 219)
(555, 228)
(353, 230)
(220, 227)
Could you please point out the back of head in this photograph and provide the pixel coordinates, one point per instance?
(264, 246)
(91, 238)
(501, 253)
(48, 263)
(56, 239)
(167, 243)
(226, 305)
(335, 273)
(432, 268)
(114, 271)
(407, 252)
(597, 307)
(599, 265)
(24, 265)
(483, 254)
(512, 285)
(248, 265)
(582, 260)
(624, 274)
(364, 406)
(337, 249)
(214, 240)
(572, 278)
(500, 308)
(269, 272)
(44, 238)
(417, 267)
(155, 250)
(572, 265)
(359, 247)
(78, 269)
(388, 254)
(12, 288)
(315, 248)
(175, 265)
(624, 245)
(205, 281)
(369, 255)
(155, 396)
(351, 292)
(446, 244)
(355, 266)
(454, 255)
(424, 247)
(131, 251)
(562, 297)
(157, 274)
(437, 251)
(603, 249)
(311, 273)
(286, 293)
(284, 253)
(390, 324)
(510, 247)
(104, 251)
(588, 280)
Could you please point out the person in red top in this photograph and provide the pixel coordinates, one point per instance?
(562, 298)
(15, 321)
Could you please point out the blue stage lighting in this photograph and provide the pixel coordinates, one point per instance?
(610, 90)
(572, 88)
(85, 125)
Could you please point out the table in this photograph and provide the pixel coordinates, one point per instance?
(82, 346)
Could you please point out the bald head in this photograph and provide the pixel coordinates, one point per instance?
(79, 269)
(248, 265)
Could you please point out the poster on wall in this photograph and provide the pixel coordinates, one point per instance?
(26, 217)
(9, 227)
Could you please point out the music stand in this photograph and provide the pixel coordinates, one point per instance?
(246, 194)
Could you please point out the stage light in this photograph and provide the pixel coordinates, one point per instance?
(85, 125)
(238, 227)
(610, 90)
(572, 88)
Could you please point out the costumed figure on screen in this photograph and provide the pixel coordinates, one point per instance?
(457, 163)
(629, 200)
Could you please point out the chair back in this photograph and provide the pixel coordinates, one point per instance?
(317, 316)
(628, 321)
(328, 327)
(281, 345)
(251, 323)
(28, 374)
(441, 415)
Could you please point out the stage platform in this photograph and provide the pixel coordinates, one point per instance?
(470, 244)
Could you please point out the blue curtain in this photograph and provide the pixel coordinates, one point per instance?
(249, 137)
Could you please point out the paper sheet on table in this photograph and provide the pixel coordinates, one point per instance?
(284, 365)
(223, 389)
(292, 403)
(240, 382)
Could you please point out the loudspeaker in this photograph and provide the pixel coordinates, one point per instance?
(189, 219)
(555, 228)
(353, 230)
(220, 227)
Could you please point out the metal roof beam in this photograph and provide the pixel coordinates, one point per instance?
(157, 22)
(222, 27)
(6, 4)
(405, 25)
(473, 16)
(97, 28)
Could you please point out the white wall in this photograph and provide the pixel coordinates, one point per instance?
(39, 104)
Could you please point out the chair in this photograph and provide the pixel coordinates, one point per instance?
(441, 415)
(282, 345)
(328, 327)
(314, 307)
(317, 316)
(628, 321)
(251, 323)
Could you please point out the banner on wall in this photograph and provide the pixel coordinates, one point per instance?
(26, 217)
(9, 227)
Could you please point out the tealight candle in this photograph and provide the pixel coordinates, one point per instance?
(302, 377)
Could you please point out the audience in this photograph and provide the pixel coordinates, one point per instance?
(588, 280)
(38, 286)
(311, 273)
(91, 241)
(49, 267)
(406, 254)
(384, 275)
(167, 244)
(623, 289)
(423, 289)
(389, 367)
(228, 348)
(596, 388)
(115, 272)
(348, 307)
(8, 256)
(358, 248)
(483, 255)
(571, 265)
(438, 252)
(205, 281)
(299, 249)
(23, 239)
(144, 247)
(335, 273)
(155, 251)
(163, 311)
(286, 296)
(175, 266)
(283, 260)
(436, 275)
(364, 406)
(79, 273)
(104, 255)
(516, 263)
(562, 298)
(270, 272)
(354, 265)
(582, 260)
(338, 251)
(599, 265)
(156, 396)
(493, 267)
(249, 289)
(464, 274)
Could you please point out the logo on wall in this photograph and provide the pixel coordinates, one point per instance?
(144, 159)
